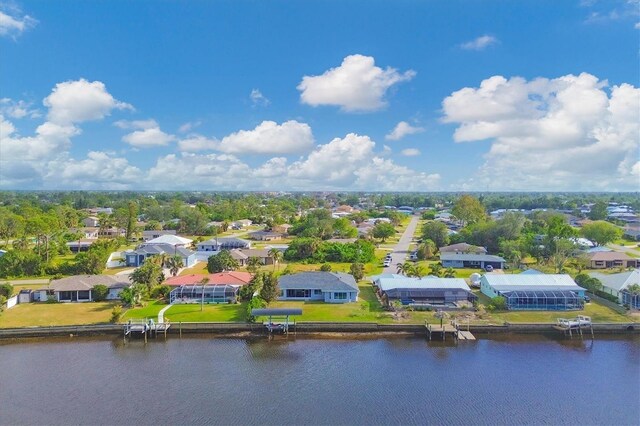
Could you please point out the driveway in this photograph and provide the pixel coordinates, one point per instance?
(401, 250)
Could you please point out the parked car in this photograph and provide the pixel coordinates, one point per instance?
(488, 268)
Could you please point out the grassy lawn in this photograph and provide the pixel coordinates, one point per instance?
(113, 271)
(597, 312)
(367, 309)
(191, 312)
(46, 314)
(199, 268)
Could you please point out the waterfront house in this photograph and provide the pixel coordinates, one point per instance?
(535, 292)
(612, 259)
(423, 292)
(617, 285)
(469, 260)
(151, 234)
(233, 278)
(461, 248)
(330, 287)
(138, 256)
(223, 243)
(78, 288)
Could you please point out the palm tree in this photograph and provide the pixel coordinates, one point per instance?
(276, 255)
(253, 263)
(174, 263)
(436, 270)
(450, 273)
(403, 268)
(204, 282)
(419, 271)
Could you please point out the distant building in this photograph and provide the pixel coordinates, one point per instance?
(79, 288)
(461, 248)
(429, 291)
(611, 259)
(151, 234)
(223, 243)
(138, 256)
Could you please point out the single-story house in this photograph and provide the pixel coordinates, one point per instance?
(82, 244)
(78, 288)
(86, 231)
(232, 278)
(427, 291)
(612, 259)
(243, 255)
(469, 260)
(266, 235)
(112, 232)
(151, 234)
(170, 239)
(534, 292)
(282, 228)
(632, 233)
(330, 287)
(242, 223)
(91, 222)
(137, 257)
(223, 243)
(617, 285)
(463, 248)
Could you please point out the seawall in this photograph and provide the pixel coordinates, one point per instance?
(305, 328)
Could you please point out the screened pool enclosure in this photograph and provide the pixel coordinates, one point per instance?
(543, 300)
(193, 293)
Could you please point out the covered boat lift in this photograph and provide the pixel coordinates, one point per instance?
(281, 316)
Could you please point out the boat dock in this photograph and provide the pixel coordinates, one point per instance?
(145, 327)
(452, 329)
(570, 326)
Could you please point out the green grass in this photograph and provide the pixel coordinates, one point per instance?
(51, 314)
(190, 312)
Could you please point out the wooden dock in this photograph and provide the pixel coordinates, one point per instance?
(452, 329)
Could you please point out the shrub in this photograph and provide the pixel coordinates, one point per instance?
(116, 314)
(100, 292)
(255, 303)
(6, 290)
(325, 267)
(160, 292)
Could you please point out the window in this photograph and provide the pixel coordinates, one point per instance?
(340, 296)
(298, 293)
(317, 292)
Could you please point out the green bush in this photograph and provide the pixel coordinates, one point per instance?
(100, 292)
(116, 314)
(255, 303)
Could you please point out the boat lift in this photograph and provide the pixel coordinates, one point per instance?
(278, 319)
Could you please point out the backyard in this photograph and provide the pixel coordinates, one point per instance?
(51, 314)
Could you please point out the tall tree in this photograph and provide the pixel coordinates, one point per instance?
(149, 275)
(270, 290)
(601, 232)
(383, 231)
(221, 262)
(276, 255)
(253, 264)
(174, 263)
(598, 211)
(469, 210)
(436, 232)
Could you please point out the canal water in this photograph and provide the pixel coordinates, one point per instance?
(204, 380)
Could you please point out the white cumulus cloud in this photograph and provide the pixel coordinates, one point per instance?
(479, 43)
(258, 99)
(356, 85)
(17, 109)
(566, 133)
(403, 129)
(13, 22)
(195, 143)
(80, 100)
(270, 137)
(148, 137)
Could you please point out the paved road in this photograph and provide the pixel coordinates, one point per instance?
(401, 250)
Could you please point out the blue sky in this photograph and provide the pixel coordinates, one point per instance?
(320, 95)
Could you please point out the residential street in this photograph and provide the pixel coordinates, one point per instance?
(401, 250)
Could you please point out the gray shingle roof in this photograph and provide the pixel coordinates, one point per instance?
(471, 257)
(326, 281)
(87, 282)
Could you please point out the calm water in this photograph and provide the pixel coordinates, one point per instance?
(505, 380)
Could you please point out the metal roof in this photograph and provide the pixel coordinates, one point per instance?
(619, 281)
(402, 282)
(275, 311)
(326, 281)
(532, 282)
